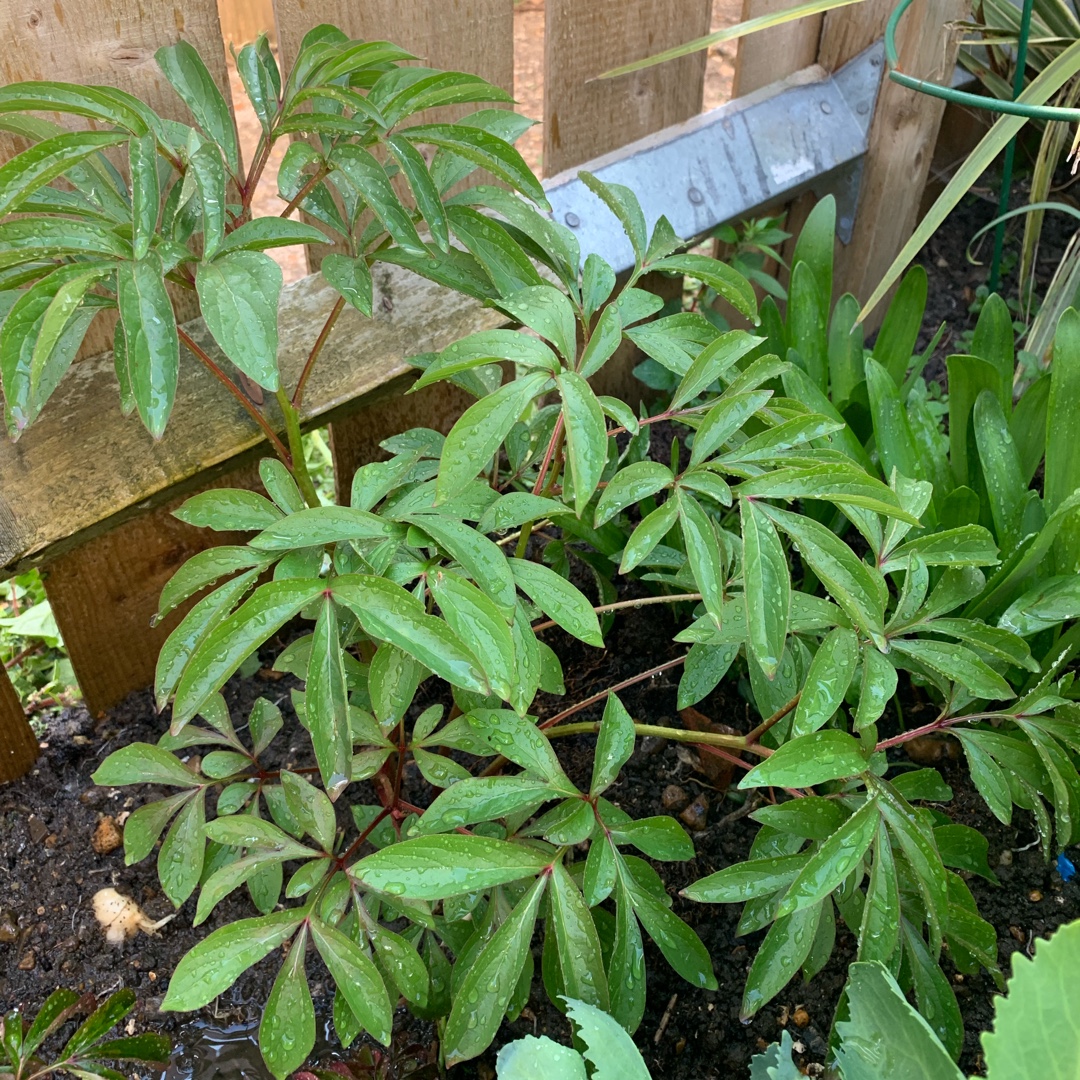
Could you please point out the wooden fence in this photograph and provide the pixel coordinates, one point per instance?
(87, 496)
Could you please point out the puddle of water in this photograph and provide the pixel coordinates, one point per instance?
(208, 1052)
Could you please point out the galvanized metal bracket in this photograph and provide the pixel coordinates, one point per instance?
(807, 133)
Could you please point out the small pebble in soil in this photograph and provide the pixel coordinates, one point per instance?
(800, 1016)
(38, 829)
(1035, 896)
(107, 836)
(674, 798)
(28, 961)
(1005, 858)
(9, 926)
(695, 816)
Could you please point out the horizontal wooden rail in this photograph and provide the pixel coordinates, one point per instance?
(81, 467)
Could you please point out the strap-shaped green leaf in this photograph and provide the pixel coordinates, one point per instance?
(190, 78)
(766, 587)
(484, 149)
(858, 589)
(287, 1029)
(327, 709)
(389, 613)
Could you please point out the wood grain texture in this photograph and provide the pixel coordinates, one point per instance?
(18, 743)
(584, 119)
(81, 463)
(902, 136)
(104, 593)
(110, 44)
(773, 54)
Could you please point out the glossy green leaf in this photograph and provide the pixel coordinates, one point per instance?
(682, 948)
(479, 432)
(623, 203)
(184, 68)
(226, 648)
(546, 310)
(436, 867)
(586, 436)
(648, 533)
(703, 553)
(270, 232)
(486, 989)
(779, 957)
(287, 1030)
(357, 979)
(484, 798)
(180, 859)
(107, 1015)
(859, 590)
(558, 599)
(958, 664)
(239, 293)
(484, 149)
(482, 559)
(580, 962)
(747, 880)
(715, 359)
(728, 283)
(812, 817)
(876, 689)
(390, 613)
(630, 485)
(827, 681)
(229, 510)
(766, 585)
(833, 861)
(217, 961)
(810, 759)
(142, 763)
(614, 745)
(152, 343)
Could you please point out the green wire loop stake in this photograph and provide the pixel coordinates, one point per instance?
(977, 101)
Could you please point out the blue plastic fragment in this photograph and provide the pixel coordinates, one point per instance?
(1065, 867)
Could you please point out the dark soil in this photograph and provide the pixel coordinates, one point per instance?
(49, 870)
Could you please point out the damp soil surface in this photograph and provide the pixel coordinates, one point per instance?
(49, 871)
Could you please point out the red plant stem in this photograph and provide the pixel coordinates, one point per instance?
(671, 414)
(316, 179)
(642, 602)
(755, 735)
(320, 341)
(548, 455)
(239, 394)
(559, 717)
(22, 655)
(354, 847)
(247, 193)
(940, 724)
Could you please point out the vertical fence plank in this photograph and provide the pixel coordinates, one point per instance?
(18, 744)
(244, 20)
(584, 38)
(464, 35)
(902, 136)
(105, 592)
(773, 54)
